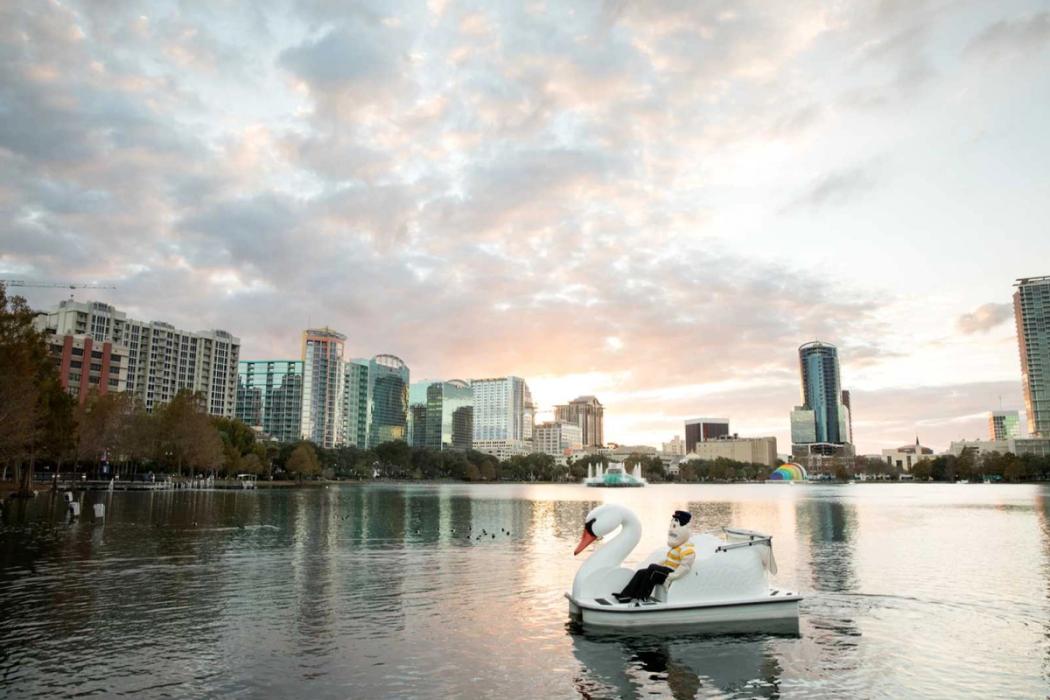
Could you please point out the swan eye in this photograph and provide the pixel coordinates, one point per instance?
(588, 527)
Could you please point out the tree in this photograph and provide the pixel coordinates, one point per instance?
(922, 470)
(303, 461)
(103, 423)
(395, 456)
(653, 469)
(186, 434)
(251, 464)
(35, 411)
(238, 442)
(142, 437)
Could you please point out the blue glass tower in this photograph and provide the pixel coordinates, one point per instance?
(387, 400)
(822, 390)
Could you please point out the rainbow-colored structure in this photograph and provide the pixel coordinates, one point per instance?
(789, 472)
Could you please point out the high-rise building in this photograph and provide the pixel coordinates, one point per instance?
(1032, 315)
(450, 415)
(704, 429)
(675, 448)
(502, 422)
(417, 424)
(161, 360)
(557, 438)
(846, 403)
(323, 379)
(822, 390)
(355, 403)
(528, 417)
(1003, 425)
(85, 365)
(820, 428)
(588, 413)
(270, 397)
(388, 380)
(417, 396)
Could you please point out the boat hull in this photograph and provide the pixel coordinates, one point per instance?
(776, 608)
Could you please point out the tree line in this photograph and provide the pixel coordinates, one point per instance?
(992, 466)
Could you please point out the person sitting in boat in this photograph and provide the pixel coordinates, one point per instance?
(677, 564)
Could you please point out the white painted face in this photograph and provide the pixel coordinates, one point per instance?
(677, 534)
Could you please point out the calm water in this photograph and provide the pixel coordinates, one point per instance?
(387, 591)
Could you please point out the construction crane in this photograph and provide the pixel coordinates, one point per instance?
(57, 285)
(72, 286)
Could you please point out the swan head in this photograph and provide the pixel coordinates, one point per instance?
(600, 522)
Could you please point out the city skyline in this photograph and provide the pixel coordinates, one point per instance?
(652, 206)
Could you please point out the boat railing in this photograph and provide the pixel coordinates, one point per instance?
(765, 539)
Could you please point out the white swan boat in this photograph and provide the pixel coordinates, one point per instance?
(727, 584)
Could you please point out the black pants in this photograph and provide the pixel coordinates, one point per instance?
(644, 580)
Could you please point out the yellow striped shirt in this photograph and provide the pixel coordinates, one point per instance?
(677, 554)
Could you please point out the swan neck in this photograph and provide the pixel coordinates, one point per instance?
(614, 551)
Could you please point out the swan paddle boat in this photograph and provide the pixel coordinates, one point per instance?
(728, 582)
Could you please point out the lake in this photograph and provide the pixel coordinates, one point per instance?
(392, 590)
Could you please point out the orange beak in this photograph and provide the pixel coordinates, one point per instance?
(585, 540)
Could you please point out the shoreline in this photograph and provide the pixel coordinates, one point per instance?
(9, 488)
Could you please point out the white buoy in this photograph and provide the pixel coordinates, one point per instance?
(100, 511)
(74, 509)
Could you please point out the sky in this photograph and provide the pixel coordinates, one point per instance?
(655, 203)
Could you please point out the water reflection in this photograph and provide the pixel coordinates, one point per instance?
(631, 666)
(1042, 509)
(453, 590)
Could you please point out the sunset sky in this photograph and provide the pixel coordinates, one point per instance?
(655, 203)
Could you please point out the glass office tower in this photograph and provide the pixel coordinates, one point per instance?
(822, 391)
(355, 403)
(270, 397)
(1032, 314)
(448, 425)
(1003, 425)
(387, 400)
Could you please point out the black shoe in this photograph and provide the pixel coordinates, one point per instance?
(622, 598)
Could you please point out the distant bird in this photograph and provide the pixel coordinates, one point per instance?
(493, 535)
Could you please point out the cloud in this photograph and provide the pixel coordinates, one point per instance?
(836, 188)
(937, 414)
(1007, 38)
(354, 57)
(984, 318)
(545, 190)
